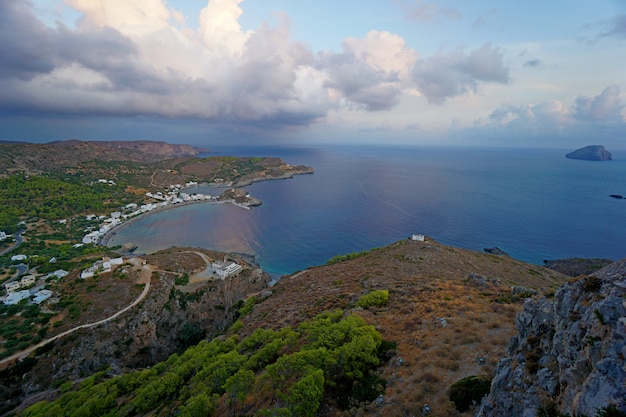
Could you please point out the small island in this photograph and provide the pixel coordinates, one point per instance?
(591, 153)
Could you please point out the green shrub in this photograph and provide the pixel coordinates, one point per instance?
(376, 298)
(467, 390)
(182, 280)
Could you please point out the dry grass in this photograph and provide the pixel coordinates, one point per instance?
(442, 321)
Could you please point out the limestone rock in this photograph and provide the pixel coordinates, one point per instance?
(569, 352)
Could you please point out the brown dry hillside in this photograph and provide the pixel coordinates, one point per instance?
(451, 312)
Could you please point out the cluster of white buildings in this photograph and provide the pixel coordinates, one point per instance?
(173, 196)
(3, 236)
(14, 286)
(16, 292)
(105, 265)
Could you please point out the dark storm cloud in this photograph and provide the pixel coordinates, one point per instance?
(25, 42)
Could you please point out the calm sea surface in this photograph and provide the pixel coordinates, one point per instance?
(534, 204)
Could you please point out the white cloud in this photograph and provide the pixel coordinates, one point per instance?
(137, 17)
(598, 118)
(371, 72)
(605, 106)
(220, 29)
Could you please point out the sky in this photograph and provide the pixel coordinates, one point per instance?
(227, 72)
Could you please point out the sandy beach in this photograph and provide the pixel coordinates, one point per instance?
(109, 235)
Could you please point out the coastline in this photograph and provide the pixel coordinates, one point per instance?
(106, 238)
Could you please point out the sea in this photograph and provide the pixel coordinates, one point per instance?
(532, 203)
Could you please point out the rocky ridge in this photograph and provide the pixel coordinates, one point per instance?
(569, 352)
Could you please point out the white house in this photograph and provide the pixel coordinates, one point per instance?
(226, 269)
(42, 296)
(59, 273)
(15, 297)
(18, 257)
(3, 235)
(12, 286)
(418, 237)
(28, 280)
(86, 274)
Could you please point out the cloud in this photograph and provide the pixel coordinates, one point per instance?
(482, 21)
(603, 107)
(126, 58)
(370, 72)
(447, 75)
(24, 41)
(616, 27)
(138, 59)
(598, 117)
(542, 116)
(420, 11)
(533, 63)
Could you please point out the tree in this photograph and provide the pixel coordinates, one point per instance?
(238, 386)
(304, 397)
(200, 405)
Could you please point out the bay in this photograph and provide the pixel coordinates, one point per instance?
(533, 203)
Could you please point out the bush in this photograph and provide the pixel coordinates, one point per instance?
(611, 411)
(376, 298)
(182, 280)
(467, 390)
(592, 284)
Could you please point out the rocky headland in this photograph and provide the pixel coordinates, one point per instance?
(575, 267)
(591, 153)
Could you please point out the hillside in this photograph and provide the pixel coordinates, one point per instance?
(450, 313)
(138, 165)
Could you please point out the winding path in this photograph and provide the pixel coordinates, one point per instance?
(18, 241)
(144, 278)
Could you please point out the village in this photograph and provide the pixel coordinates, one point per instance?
(173, 196)
(27, 286)
(32, 286)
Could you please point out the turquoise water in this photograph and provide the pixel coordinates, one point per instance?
(534, 204)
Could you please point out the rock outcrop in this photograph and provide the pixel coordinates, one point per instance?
(569, 353)
(591, 153)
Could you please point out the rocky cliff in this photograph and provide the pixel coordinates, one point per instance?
(568, 356)
(591, 153)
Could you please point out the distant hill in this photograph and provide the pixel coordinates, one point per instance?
(144, 164)
(591, 153)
